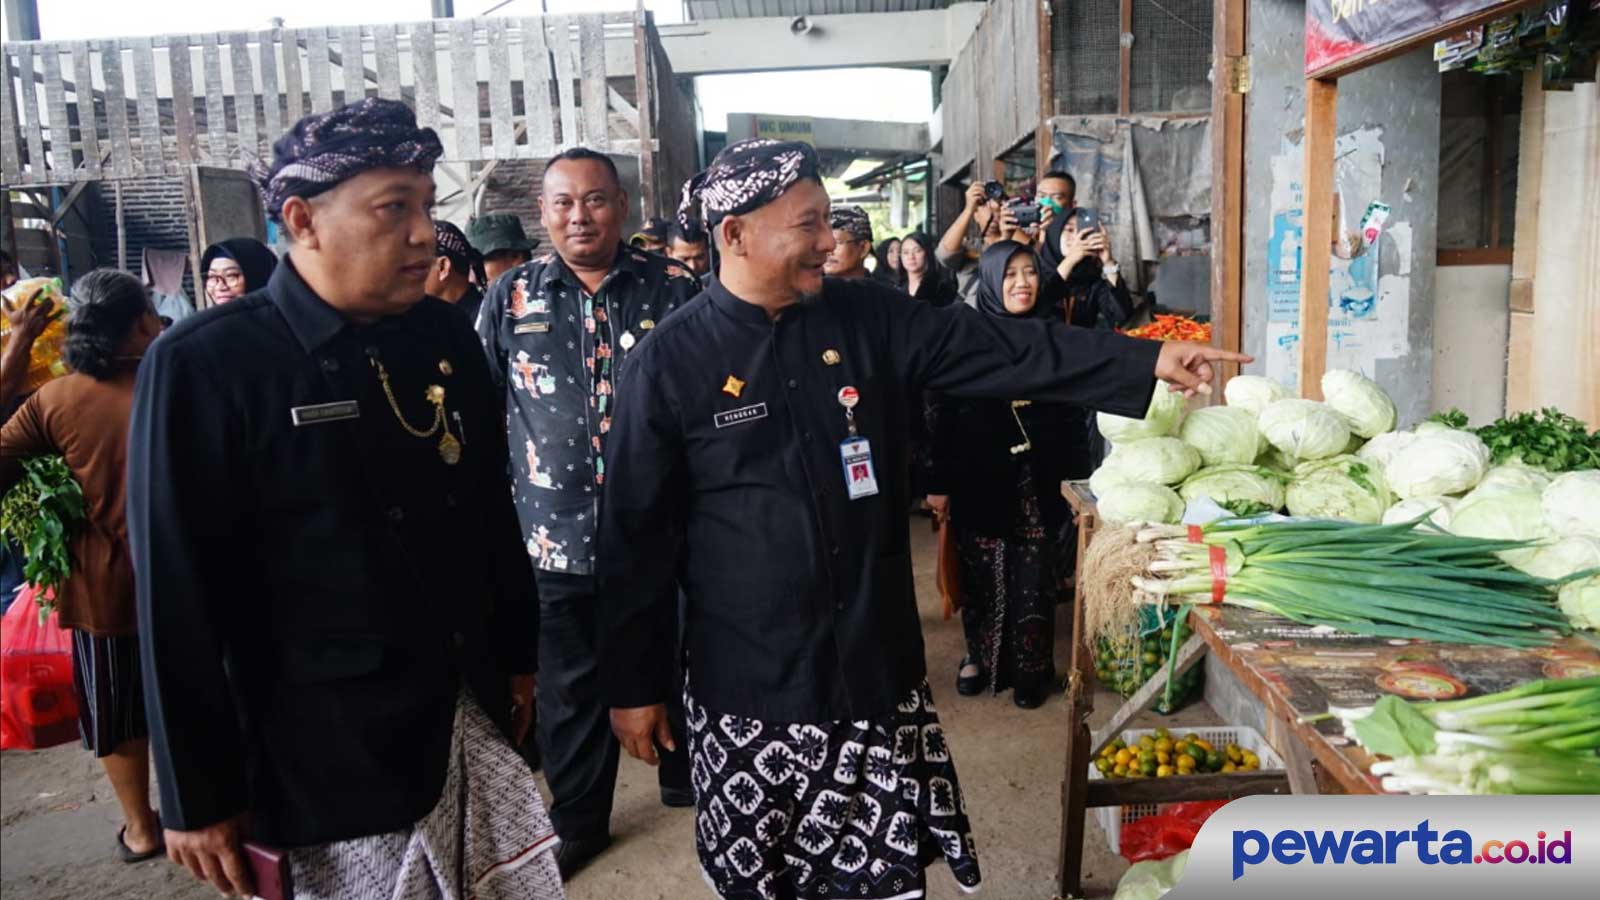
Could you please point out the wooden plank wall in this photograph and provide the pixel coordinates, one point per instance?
(991, 94)
(222, 99)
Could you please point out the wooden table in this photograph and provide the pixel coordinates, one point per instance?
(1292, 671)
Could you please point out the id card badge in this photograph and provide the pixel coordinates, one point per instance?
(859, 478)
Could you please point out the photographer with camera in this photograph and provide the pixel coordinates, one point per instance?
(997, 220)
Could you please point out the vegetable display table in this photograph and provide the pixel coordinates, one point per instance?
(1291, 671)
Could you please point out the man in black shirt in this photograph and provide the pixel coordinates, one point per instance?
(450, 279)
(759, 461)
(557, 330)
(852, 243)
(690, 247)
(336, 620)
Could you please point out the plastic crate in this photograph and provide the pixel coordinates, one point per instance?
(1112, 818)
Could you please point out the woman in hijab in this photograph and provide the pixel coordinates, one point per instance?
(235, 267)
(996, 479)
(1082, 281)
(921, 276)
(888, 256)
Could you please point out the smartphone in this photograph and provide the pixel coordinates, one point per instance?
(1088, 219)
(270, 867)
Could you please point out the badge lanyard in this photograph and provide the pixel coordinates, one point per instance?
(855, 452)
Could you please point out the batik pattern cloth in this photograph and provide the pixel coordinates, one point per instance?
(1009, 588)
(743, 177)
(852, 220)
(324, 149)
(828, 811)
(488, 838)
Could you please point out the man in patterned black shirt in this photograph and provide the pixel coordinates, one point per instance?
(557, 330)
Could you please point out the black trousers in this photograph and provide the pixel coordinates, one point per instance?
(580, 752)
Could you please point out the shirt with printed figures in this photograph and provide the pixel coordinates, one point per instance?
(555, 351)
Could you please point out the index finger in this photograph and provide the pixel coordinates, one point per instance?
(1220, 355)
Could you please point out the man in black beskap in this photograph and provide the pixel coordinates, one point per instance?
(336, 620)
(759, 461)
(557, 331)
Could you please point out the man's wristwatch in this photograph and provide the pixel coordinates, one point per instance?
(1110, 269)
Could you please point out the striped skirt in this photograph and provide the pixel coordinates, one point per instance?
(105, 675)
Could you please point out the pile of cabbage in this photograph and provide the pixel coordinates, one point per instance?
(1267, 451)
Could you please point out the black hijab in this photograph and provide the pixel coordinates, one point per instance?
(1087, 271)
(992, 280)
(256, 260)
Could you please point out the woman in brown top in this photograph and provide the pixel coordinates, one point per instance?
(84, 417)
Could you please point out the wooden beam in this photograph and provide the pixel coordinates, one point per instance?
(1217, 786)
(1080, 705)
(1322, 99)
(1044, 139)
(1228, 41)
(122, 231)
(1125, 59)
(1491, 161)
(1389, 51)
(644, 31)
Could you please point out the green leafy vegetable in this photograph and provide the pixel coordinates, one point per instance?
(1451, 418)
(1395, 728)
(1549, 439)
(40, 512)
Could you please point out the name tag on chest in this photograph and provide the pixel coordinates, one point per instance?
(740, 416)
(531, 328)
(860, 479)
(324, 412)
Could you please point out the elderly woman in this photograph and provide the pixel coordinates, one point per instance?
(84, 416)
(235, 267)
(996, 479)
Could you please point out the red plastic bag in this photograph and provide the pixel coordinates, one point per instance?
(38, 707)
(1169, 832)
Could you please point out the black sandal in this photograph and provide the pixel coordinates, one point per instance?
(971, 685)
(126, 853)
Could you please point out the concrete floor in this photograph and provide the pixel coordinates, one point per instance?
(58, 818)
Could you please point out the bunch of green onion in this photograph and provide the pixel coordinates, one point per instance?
(1390, 581)
(1537, 738)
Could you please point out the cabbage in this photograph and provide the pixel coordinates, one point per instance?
(1503, 515)
(1107, 479)
(1253, 393)
(1431, 428)
(1580, 601)
(1223, 435)
(1344, 487)
(1159, 460)
(1140, 503)
(1304, 428)
(1360, 402)
(1383, 447)
(1440, 462)
(1557, 559)
(1437, 509)
(1160, 420)
(1242, 490)
(1276, 460)
(1572, 503)
(1513, 477)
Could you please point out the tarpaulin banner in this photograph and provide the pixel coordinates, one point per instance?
(1339, 29)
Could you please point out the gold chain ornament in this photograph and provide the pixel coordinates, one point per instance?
(449, 446)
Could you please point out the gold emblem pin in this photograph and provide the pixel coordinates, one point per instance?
(646, 324)
(830, 357)
(733, 387)
(445, 368)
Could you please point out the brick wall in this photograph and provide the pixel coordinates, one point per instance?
(153, 215)
(514, 188)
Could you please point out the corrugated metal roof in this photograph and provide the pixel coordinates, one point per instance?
(701, 10)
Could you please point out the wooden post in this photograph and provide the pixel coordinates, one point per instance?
(1322, 98)
(1227, 183)
(1044, 138)
(122, 233)
(1125, 59)
(1080, 705)
(644, 96)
